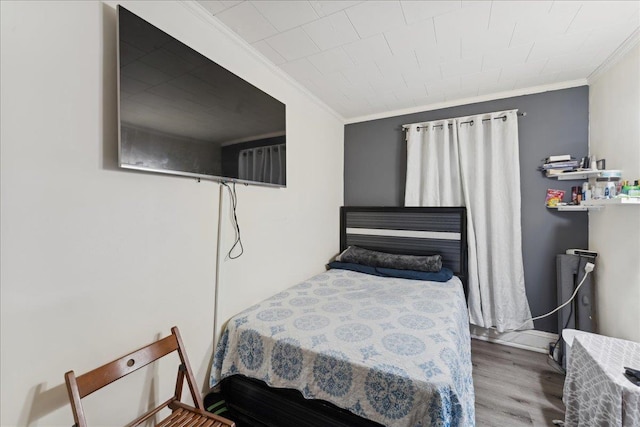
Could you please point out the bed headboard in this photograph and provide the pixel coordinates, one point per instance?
(409, 230)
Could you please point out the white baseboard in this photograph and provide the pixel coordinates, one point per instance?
(531, 340)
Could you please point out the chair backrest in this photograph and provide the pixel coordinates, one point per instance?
(83, 385)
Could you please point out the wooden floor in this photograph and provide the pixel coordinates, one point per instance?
(514, 387)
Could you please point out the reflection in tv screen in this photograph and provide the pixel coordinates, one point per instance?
(181, 113)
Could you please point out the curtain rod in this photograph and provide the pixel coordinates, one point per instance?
(504, 118)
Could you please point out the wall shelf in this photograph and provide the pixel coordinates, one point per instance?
(578, 175)
(597, 204)
(574, 208)
(600, 203)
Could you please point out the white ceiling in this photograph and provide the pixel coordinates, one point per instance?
(370, 57)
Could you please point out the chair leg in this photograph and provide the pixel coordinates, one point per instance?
(191, 381)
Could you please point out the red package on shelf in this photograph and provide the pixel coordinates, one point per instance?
(554, 197)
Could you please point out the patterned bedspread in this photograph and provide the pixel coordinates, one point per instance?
(394, 351)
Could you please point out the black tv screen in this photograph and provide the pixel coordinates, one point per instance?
(181, 113)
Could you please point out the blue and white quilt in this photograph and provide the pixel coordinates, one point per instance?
(395, 351)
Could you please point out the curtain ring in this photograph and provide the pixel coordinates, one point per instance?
(471, 123)
(504, 118)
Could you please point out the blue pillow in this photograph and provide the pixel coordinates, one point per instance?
(441, 276)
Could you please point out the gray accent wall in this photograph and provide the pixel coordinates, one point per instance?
(557, 122)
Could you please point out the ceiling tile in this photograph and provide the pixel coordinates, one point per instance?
(332, 31)
(428, 100)
(398, 104)
(385, 95)
(328, 7)
(293, 44)
(217, 6)
(415, 11)
(245, 20)
(302, 69)
(403, 39)
(500, 58)
(553, 23)
(528, 69)
(461, 93)
(213, 6)
(427, 73)
(484, 78)
(583, 59)
(611, 36)
(464, 23)
(284, 15)
(501, 86)
(602, 42)
(392, 82)
(567, 7)
(509, 12)
(370, 49)
(462, 67)
(397, 63)
(230, 3)
(575, 73)
(543, 79)
(596, 14)
(363, 74)
(442, 52)
(555, 46)
(443, 86)
(374, 17)
(269, 52)
(328, 90)
(474, 3)
(338, 80)
(410, 92)
(490, 40)
(331, 60)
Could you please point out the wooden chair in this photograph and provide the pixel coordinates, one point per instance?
(182, 415)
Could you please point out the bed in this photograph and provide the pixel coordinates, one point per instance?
(346, 348)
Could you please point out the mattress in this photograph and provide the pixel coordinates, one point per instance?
(394, 351)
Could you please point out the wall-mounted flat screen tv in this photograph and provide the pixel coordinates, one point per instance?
(181, 113)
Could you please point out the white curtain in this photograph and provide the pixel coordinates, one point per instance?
(264, 164)
(474, 161)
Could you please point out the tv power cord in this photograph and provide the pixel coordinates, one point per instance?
(588, 268)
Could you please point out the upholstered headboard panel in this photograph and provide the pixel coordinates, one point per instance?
(409, 230)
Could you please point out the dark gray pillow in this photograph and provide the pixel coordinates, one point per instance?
(357, 255)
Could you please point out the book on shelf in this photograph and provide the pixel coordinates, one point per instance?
(556, 172)
(569, 164)
(558, 158)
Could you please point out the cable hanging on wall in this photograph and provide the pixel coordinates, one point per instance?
(234, 203)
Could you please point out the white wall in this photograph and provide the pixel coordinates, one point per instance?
(614, 107)
(97, 261)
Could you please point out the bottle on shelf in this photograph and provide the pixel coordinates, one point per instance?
(586, 192)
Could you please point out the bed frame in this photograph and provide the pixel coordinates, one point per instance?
(401, 230)
(409, 231)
